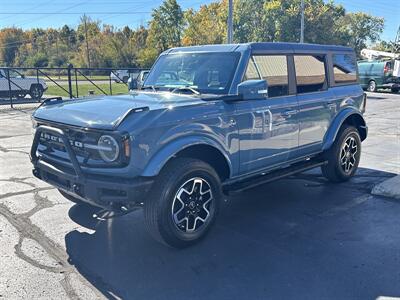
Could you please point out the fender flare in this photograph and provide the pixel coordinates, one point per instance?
(162, 156)
(337, 123)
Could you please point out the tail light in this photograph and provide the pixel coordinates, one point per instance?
(364, 103)
(387, 68)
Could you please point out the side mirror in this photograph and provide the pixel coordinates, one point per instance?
(253, 89)
(132, 83)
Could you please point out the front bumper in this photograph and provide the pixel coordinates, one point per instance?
(98, 190)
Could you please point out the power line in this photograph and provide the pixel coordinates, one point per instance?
(79, 13)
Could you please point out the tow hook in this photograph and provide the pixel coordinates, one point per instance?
(115, 211)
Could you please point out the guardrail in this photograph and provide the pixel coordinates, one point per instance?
(19, 85)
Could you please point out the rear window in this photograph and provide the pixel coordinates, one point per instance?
(310, 73)
(344, 68)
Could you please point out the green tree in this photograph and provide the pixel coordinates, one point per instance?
(10, 41)
(362, 28)
(166, 26)
(206, 26)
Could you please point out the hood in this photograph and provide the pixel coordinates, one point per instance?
(107, 112)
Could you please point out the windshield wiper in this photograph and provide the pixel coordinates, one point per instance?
(186, 88)
(152, 87)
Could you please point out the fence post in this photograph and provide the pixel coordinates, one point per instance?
(70, 66)
(109, 77)
(9, 87)
(76, 84)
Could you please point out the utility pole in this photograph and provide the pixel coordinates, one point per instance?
(86, 40)
(396, 44)
(230, 22)
(302, 22)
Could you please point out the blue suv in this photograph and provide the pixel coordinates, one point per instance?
(208, 121)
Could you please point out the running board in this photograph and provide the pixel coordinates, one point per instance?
(233, 187)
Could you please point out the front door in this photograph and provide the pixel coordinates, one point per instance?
(268, 128)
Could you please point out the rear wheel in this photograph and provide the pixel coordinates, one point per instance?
(183, 203)
(344, 155)
(36, 92)
(372, 86)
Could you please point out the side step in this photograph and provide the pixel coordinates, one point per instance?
(237, 186)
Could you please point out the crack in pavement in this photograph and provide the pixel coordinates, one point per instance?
(6, 150)
(26, 229)
(13, 136)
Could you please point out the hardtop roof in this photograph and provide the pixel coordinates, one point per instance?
(259, 46)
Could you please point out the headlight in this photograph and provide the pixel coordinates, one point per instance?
(34, 126)
(108, 148)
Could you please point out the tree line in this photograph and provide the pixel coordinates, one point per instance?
(96, 44)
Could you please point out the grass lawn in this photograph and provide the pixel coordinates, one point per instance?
(83, 89)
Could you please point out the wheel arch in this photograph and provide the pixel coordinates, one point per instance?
(206, 150)
(346, 117)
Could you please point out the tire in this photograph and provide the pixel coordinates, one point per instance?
(72, 198)
(183, 203)
(344, 155)
(395, 90)
(36, 92)
(125, 79)
(372, 86)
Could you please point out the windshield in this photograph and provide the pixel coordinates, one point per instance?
(209, 73)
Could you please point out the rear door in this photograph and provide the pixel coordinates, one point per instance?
(268, 128)
(317, 103)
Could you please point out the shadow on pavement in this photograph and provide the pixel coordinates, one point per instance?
(298, 238)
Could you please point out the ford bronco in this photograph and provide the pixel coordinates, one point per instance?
(208, 121)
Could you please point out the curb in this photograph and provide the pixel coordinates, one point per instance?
(388, 188)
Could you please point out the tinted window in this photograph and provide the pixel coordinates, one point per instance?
(310, 73)
(344, 68)
(272, 68)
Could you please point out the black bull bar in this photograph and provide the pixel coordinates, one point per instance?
(107, 192)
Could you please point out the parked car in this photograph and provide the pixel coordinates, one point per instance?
(120, 76)
(137, 82)
(209, 120)
(378, 74)
(21, 85)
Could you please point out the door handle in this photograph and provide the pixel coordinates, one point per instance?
(330, 104)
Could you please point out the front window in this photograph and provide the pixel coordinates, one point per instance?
(208, 73)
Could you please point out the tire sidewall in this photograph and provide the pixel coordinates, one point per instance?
(167, 226)
(372, 86)
(347, 132)
(38, 89)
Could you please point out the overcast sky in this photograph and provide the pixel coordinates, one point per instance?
(55, 13)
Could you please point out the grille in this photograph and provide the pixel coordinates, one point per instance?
(51, 145)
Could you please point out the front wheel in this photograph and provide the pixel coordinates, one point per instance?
(344, 155)
(36, 92)
(183, 203)
(395, 90)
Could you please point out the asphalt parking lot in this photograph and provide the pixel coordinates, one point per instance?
(298, 238)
